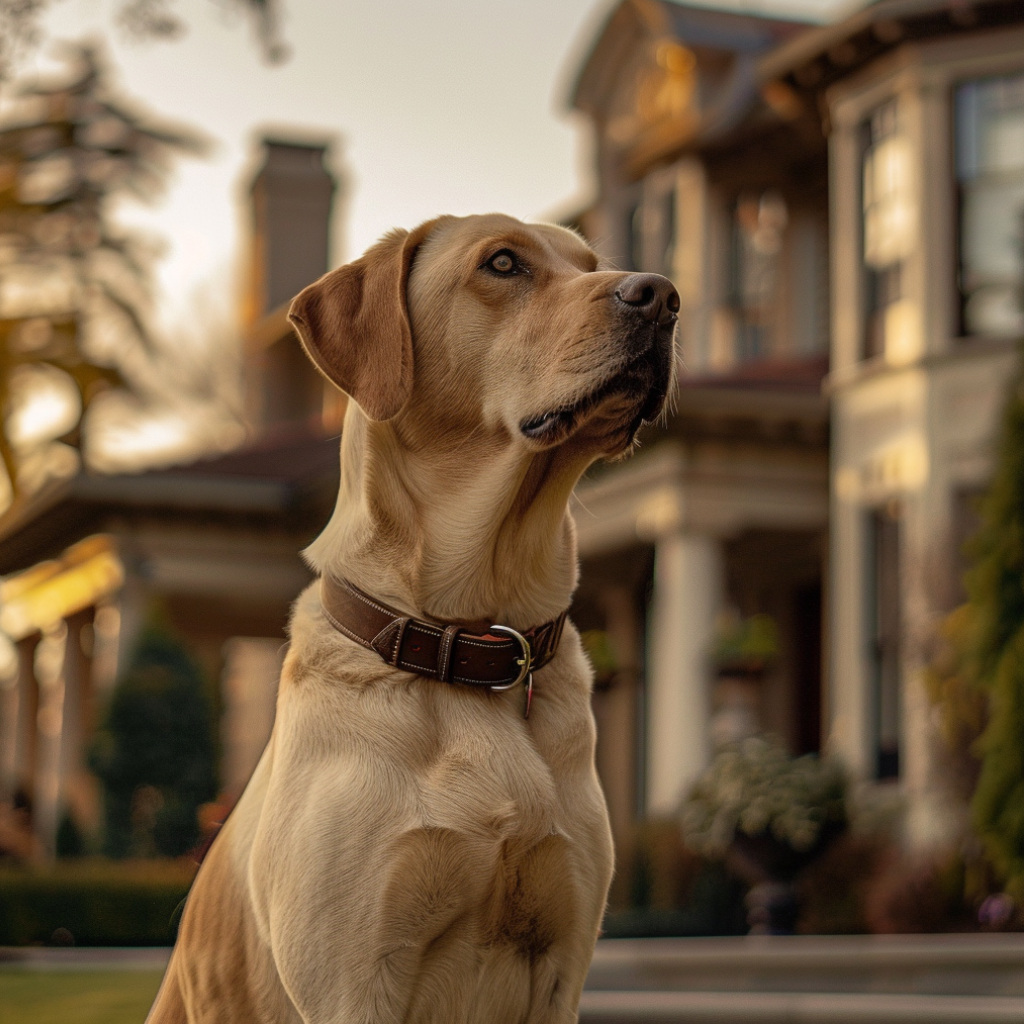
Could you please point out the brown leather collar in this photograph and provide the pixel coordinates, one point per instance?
(448, 653)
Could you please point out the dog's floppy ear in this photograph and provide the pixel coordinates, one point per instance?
(354, 324)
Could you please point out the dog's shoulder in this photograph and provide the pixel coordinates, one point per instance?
(318, 653)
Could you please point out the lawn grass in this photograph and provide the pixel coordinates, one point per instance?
(76, 997)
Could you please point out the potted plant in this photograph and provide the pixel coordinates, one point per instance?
(745, 646)
(768, 815)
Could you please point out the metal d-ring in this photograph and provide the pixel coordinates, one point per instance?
(525, 663)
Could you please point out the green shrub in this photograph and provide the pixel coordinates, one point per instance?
(979, 682)
(101, 903)
(155, 752)
(70, 841)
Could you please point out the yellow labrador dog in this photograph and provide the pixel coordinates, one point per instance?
(417, 844)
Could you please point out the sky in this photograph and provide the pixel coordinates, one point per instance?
(455, 107)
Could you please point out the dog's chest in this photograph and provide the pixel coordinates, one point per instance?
(509, 844)
(496, 784)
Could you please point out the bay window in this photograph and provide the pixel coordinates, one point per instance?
(990, 176)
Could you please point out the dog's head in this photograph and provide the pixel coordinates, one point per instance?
(489, 323)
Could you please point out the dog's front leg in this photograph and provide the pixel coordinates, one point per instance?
(353, 904)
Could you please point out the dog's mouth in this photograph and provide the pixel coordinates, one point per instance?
(641, 385)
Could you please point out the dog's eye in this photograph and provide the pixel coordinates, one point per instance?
(503, 262)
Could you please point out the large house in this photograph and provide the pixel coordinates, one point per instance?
(841, 208)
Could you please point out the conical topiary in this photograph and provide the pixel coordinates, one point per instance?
(155, 752)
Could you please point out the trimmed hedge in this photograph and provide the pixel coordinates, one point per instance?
(101, 903)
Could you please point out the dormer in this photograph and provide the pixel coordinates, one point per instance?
(707, 178)
(664, 76)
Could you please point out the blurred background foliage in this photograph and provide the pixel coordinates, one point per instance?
(977, 679)
(93, 902)
(74, 287)
(746, 642)
(21, 32)
(155, 752)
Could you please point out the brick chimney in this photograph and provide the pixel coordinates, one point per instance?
(292, 195)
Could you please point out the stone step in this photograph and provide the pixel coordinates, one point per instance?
(988, 965)
(608, 1007)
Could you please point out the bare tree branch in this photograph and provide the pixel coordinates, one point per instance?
(139, 20)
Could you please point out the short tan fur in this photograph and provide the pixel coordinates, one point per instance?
(411, 851)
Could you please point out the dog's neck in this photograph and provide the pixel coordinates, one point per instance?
(480, 532)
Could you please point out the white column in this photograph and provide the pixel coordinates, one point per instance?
(849, 698)
(252, 667)
(688, 587)
(10, 708)
(49, 667)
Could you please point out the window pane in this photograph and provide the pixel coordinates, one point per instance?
(1004, 142)
(758, 234)
(889, 226)
(888, 202)
(993, 218)
(990, 168)
(992, 235)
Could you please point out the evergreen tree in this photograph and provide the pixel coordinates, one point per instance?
(155, 752)
(73, 287)
(992, 642)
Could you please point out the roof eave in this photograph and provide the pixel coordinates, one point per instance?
(605, 48)
(885, 20)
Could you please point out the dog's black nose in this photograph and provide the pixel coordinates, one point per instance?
(654, 297)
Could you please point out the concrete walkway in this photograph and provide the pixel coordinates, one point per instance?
(980, 964)
(931, 979)
(794, 1008)
(858, 979)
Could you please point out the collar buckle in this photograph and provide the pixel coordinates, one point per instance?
(525, 663)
